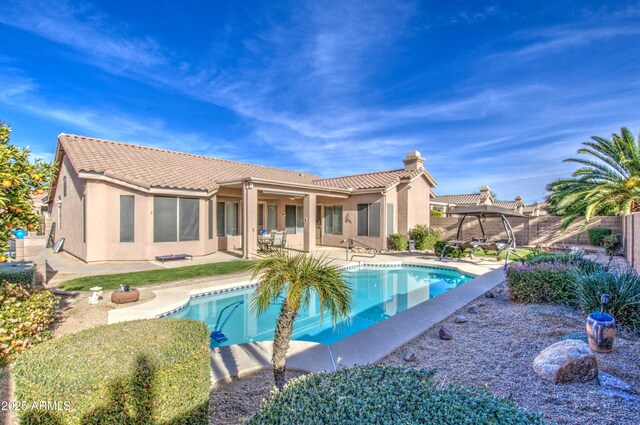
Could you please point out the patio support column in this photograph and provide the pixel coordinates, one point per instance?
(249, 220)
(309, 214)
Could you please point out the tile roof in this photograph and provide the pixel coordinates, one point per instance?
(465, 199)
(152, 167)
(512, 205)
(381, 179)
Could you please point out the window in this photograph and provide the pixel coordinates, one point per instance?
(210, 218)
(260, 217)
(227, 219)
(294, 219)
(175, 219)
(189, 224)
(84, 215)
(272, 217)
(390, 220)
(64, 186)
(127, 212)
(333, 220)
(369, 220)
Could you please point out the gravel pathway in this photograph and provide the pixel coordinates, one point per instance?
(494, 349)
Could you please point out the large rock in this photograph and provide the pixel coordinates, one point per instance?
(566, 361)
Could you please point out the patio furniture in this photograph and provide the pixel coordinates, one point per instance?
(279, 239)
(482, 212)
(172, 257)
(265, 241)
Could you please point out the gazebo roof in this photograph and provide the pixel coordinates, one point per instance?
(484, 210)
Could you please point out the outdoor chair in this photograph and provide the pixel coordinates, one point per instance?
(279, 239)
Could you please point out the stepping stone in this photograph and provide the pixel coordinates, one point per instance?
(445, 333)
(566, 361)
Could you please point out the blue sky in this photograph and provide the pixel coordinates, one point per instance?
(491, 93)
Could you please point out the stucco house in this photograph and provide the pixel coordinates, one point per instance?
(114, 201)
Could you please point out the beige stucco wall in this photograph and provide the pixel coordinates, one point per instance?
(103, 227)
(70, 211)
(418, 202)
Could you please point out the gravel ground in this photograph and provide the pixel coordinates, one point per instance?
(239, 397)
(494, 349)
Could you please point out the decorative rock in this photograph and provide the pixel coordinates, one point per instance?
(445, 333)
(610, 382)
(498, 291)
(620, 394)
(566, 361)
(481, 304)
(489, 294)
(461, 318)
(473, 308)
(409, 357)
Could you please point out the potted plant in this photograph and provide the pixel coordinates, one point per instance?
(601, 328)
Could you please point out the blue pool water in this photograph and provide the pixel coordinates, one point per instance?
(378, 293)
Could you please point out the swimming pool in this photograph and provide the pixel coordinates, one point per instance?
(378, 293)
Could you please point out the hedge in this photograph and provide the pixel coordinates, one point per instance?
(25, 318)
(18, 273)
(398, 242)
(597, 235)
(142, 372)
(541, 282)
(451, 251)
(378, 394)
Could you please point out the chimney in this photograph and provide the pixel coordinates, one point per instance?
(518, 199)
(485, 194)
(413, 161)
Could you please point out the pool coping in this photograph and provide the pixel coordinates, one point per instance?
(170, 300)
(366, 346)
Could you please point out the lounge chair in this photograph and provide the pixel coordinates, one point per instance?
(279, 239)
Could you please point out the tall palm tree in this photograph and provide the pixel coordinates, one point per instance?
(608, 180)
(297, 277)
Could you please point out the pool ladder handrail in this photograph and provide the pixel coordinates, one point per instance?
(351, 242)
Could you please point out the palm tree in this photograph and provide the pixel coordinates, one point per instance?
(608, 180)
(297, 277)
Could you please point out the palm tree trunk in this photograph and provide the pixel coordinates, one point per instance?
(284, 329)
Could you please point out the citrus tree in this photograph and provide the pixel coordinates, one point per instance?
(607, 183)
(20, 178)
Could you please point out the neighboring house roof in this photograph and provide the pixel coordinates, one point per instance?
(152, 167)
(512, 205)
(149, 167)
(464, 199)
(381, 179)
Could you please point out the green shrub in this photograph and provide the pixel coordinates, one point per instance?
(624, 296)
(451, 251)
(597, 235)
(541, 282)
(25, 317)
(377, 394)
(18, 273)
(435, 213)
(142, 372)
(572, 258)
(425, 237)
(398, 242)
(612, 244)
